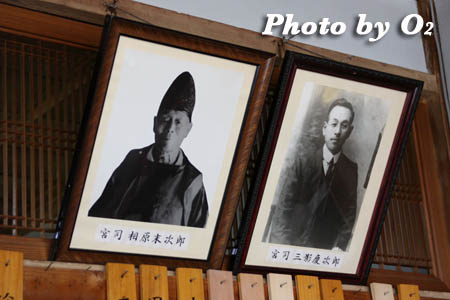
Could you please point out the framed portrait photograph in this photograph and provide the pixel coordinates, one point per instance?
(328, 166)
(166, 142)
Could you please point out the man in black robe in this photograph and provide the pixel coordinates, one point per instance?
(157, 183)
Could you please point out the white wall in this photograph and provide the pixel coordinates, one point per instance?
(395, 48)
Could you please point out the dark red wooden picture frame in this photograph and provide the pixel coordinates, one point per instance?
(294, 61)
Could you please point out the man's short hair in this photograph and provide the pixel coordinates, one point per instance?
(341, 102)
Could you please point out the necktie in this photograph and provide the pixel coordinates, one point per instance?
(330, 170)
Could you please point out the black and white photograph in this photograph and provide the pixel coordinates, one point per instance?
(327, 169)
(157, 183)
(165, 143)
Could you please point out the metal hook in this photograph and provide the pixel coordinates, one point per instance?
(111, 7)
(334, 290)
(310, 286)
(192, 279)
(283, 284)
(253, 284)
(124, 273)
(222, 281)
(157, 276)
(385, 293)
(7, 262)
(412, 294)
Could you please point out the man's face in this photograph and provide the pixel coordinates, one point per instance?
(170, 128)
(338, 128)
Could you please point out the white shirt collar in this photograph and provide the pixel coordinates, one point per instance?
(327, 155)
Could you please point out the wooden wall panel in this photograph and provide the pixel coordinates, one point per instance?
(49, 27)
(434, 200)
(56, 282)
(94, 10)
(11, 275)
(33, 134)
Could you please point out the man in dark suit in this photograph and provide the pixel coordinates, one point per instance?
(157, 183)
(318, 209)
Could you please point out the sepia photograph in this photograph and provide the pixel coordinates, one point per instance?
(327, 169)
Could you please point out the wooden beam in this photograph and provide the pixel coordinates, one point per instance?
(434, 200)
(49, 27)
(429, 46)
(429, 80)
(48, 281)
(128, 9)
(426, 282)
(439, 122)
(32, 248)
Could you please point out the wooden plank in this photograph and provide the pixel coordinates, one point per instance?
(5, 128)
(40, 75)
(430, 83)
(438, 107)
(395, 233)
(280, 286)
(23, 162)
(415, 239)
(381, 252)
(381, 291)
(80, 99)
(120, 282)
(408, 292)
(400, 222)
(428, 282)
(429, 45)
(48, 96)
(15, 185)
(308, 287)
(331, 289)
(65, 120)
(190, 284)
(49, 27)
(433, 200)
(43, 281)
(389, 238)
(32, 248)
(94, 10)
(74, 99)
(251, 286)
(154, 282)
(220, 285)
(59, 180)
(11, 275)
(33, 142)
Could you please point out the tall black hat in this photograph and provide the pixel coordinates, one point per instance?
(180, 95)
